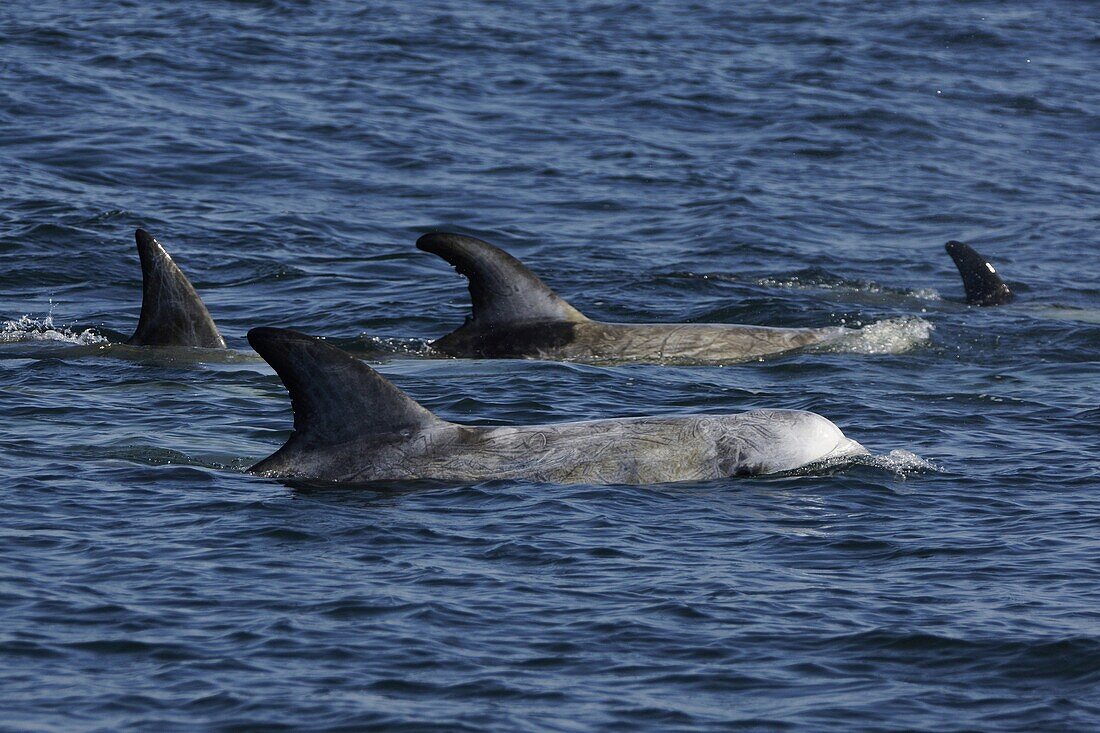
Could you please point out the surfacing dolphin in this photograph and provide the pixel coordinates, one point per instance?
(981, 282)
(172, 314)
(515, 315)
(352, 425)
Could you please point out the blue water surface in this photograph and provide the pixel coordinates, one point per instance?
(792, 164)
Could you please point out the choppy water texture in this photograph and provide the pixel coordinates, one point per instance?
(736, 162)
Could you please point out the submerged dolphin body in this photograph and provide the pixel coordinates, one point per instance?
(515, 315)
(981, 282)
(172, 314)
(352, 425)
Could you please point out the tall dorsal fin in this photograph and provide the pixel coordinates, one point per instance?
(172, 314)
(336, 398)
(982, 283)
(503, 291)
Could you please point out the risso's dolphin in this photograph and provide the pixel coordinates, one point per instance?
(172, 314)
(352, 425)
(515, 315)
(981, 282)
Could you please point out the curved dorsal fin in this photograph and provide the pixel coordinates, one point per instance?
(336, 398)
(172, 314)
(503, 291)
(982, 283)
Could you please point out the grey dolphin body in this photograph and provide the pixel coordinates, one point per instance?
(352, 425)
(981, 282)
(172, 314)
(515, 315)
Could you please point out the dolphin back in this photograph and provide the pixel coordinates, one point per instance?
(982, 283)
(503, 291)
(336, 398)
(172, 314)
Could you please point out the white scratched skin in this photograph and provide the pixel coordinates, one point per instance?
(690, 342)
(352, 425)
(627, 451)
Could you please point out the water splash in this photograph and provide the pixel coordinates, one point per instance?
(892, 336)
(381, 346)
(28, 328)
(900, 462)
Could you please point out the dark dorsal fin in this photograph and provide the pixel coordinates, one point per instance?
(336, 398)
(982, 283)
(502, 289)
(172, 314)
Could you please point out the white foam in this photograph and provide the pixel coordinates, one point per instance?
(27, 328)
(893, 336)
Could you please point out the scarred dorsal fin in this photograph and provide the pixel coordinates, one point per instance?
(172, 314)
(336, 397)
(503, 291)
(982, 283)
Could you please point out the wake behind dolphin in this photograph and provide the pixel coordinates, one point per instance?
(516, 315)
(352, 425)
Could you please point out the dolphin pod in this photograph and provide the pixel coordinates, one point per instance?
(333, 393)
(516, 315)
(352, 425)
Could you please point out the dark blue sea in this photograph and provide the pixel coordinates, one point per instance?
(791, 164)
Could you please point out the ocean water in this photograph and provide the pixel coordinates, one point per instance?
(780, 164)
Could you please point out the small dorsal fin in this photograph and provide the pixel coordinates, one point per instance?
(336, 397)
(172, 314)
(982, 283)
(503, 291)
